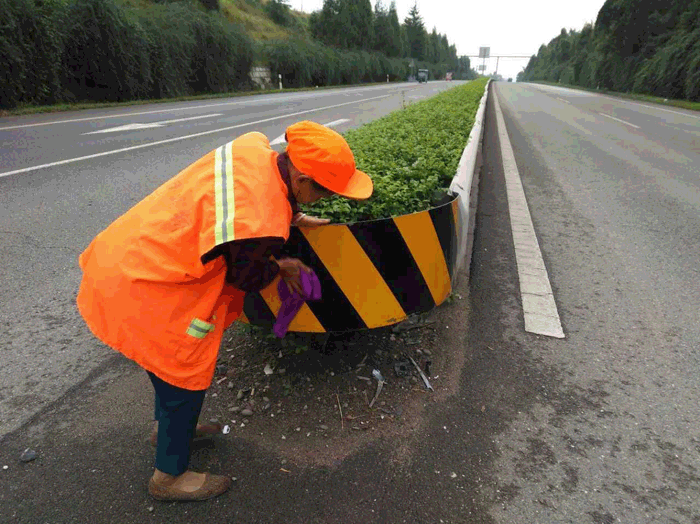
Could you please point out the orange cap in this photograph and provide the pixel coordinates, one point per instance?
(324, 155)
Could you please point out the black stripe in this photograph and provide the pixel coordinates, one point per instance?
(257, 310)
(334, 311)
(444, 221)
(382, 242)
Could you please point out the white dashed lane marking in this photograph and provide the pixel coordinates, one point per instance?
(619, 120)
(539, 307)
(281, 140)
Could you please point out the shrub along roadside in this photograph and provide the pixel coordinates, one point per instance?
(55, 51)
(410, 154)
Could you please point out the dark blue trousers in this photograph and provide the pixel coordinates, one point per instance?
(177, 412)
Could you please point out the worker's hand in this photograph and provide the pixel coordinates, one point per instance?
(304, 220)
(290, 271)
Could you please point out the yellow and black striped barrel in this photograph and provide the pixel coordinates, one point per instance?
(372, 273)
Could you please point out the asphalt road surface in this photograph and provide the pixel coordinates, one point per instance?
(598, 427)
(64, 177)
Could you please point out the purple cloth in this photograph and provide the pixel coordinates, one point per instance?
(292, 301)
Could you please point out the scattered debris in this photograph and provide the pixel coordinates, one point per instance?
(268, 369)
(226, 430)
(410, 324)
(247, 412)
(342, 426)
(402, 368)
(422, 375)
(27, 455)
(380, 384)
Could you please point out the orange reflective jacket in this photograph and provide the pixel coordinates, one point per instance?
(145, 291)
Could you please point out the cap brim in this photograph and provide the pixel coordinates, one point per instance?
(360, 187)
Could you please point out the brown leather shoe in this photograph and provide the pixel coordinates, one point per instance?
(213, 486)
(202, 431)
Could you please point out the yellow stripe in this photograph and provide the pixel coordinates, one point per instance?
(201, 324)
(196, 334)
(305, 320)
(218, 232)
(230, 195)
(357, 277)
(419, 234)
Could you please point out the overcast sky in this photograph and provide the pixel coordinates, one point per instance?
(508, 27)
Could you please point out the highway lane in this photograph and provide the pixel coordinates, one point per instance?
(44, 139)
(598, 427)
(601, 426)
(49, 214)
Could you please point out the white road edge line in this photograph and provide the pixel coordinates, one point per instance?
(563, 100)
(280, 139)
(539, 307)
(632, 102)
(179, 138)
(623, 121)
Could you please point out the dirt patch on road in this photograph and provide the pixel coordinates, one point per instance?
(307, 397)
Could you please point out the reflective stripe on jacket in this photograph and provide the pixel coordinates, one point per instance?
(145, 291)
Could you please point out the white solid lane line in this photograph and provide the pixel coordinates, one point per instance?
(539, 307)
(132, 127)
(179, 138)
(290, 98)
(281, 140)
(563, 100)
(622, 121)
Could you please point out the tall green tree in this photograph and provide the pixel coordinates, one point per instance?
(416, 35)
(360, 24)
(330, 26)
(382, 29)
(396, 48)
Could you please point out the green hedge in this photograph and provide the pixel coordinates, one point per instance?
(303, 63)
(74, 50)
(411, 154)
(31, 44)
(55, 51)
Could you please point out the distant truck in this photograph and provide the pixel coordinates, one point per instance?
(422, 75)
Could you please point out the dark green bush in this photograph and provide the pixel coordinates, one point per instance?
(409, 154)
(31, 42)
(222, 57)
(105, 55)
(171, 44)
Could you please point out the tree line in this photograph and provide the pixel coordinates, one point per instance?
(54, 51)
(639, 46)
(352, 24)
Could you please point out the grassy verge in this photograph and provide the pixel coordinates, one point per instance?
(411, 155)
(684, 104)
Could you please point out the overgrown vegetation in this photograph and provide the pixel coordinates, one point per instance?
(639, 46)
(411, 155)
(58, 51)
(97, 50)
